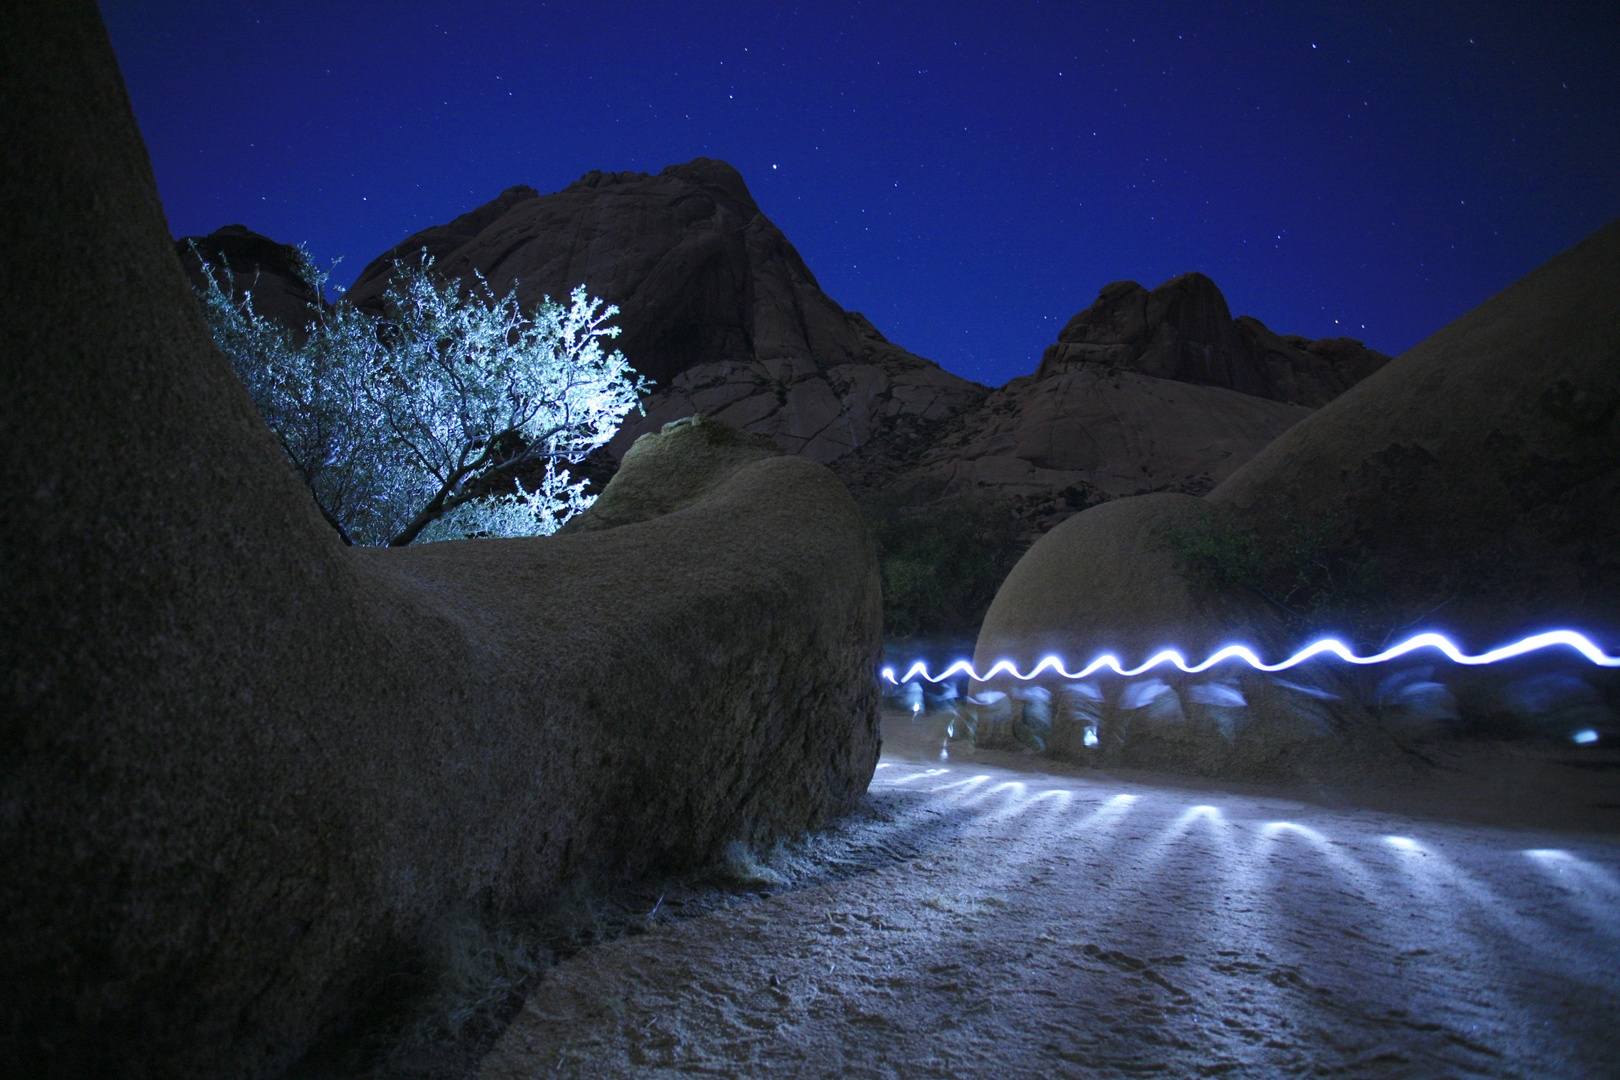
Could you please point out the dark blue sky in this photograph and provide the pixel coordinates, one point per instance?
(966, 174)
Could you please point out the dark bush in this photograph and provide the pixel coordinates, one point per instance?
(1314, 580)
(942, 559)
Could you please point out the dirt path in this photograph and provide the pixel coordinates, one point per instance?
(1092, 927)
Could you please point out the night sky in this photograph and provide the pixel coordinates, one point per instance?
(967, 175)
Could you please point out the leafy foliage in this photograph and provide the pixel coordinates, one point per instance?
(1300, 570)
(942, 562)
(402, 425)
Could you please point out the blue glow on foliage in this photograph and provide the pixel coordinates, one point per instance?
(1327, 646)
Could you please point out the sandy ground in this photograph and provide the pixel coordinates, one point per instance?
(1028, 922)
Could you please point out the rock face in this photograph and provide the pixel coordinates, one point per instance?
(1143, 391)
(256, 264)
(716, 305)
(1107, 432)
(1183, 330)
(820, 414)
(247, 770)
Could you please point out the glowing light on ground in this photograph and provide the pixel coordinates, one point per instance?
(1593, 877)
(1098, 824)
(971, 783)
(1277, 837)
(1326, 647)
(1006, 793)
(1585, 736)
(918, 775)
(1209, 814)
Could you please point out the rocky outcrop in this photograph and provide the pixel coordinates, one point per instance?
(822, 414)
(1144, 391)
(715, 304)
(1105, 431)
(1474, 480)
(248, 771)
(1303, 371)
(1184, 331)
(256, 264)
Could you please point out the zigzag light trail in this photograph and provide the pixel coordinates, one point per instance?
(1327, 646)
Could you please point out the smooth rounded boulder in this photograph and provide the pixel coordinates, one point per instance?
(246, 769)
(1108, 580)
(668, 469)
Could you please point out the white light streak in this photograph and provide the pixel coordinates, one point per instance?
(1193, 813)
(1327, 646)
(1549, 854)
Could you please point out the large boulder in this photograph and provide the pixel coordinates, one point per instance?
(247, 769)
(1480, 469)
(717, 307)
(1109, 580)
(668, 469)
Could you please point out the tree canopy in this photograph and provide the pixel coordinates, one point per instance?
(416, 424)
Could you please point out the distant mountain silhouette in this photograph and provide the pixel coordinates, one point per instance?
(1144, 390)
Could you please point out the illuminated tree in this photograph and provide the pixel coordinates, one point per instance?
(416, 424)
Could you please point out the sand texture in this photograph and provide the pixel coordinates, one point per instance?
(1034, 923)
